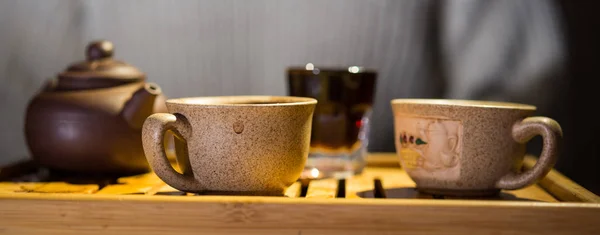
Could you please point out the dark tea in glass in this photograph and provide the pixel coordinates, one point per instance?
(340, 125)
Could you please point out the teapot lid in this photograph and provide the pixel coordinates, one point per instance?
(99, 69)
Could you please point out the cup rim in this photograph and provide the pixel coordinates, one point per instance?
(465, 103)
(236, 101)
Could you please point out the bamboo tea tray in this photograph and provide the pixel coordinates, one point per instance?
(382, 200)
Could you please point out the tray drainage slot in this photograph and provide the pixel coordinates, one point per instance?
(378, 190)
(341, 189)
(304, 187)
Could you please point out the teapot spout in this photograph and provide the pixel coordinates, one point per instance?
(140, 105)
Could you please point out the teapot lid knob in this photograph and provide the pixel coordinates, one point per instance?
(99, 70)
(98, 50)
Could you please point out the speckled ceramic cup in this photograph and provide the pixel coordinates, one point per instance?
(241, 145)
(470, 148)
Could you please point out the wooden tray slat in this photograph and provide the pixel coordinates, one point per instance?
(294, 190)
(164, 189)
(562, 187)
(47, 187)
(121, 189)
(324, 188)
(533, 192)
(146, 179)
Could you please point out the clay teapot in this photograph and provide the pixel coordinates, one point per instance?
(89, 118)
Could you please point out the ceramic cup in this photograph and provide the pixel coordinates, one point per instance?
(243, 145)
(470, 148)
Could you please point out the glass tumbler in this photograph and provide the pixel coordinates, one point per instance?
(340, 126)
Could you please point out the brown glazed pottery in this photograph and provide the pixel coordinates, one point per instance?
(240, 145)
(89, 119)
(471, 148)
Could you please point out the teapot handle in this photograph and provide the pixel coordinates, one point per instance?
(153, 133)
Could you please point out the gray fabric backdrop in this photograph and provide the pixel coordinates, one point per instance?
(501, 50)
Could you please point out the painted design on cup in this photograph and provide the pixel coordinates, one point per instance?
(430, 147)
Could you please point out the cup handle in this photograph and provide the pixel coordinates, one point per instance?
(522, 132)
(153, 132)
